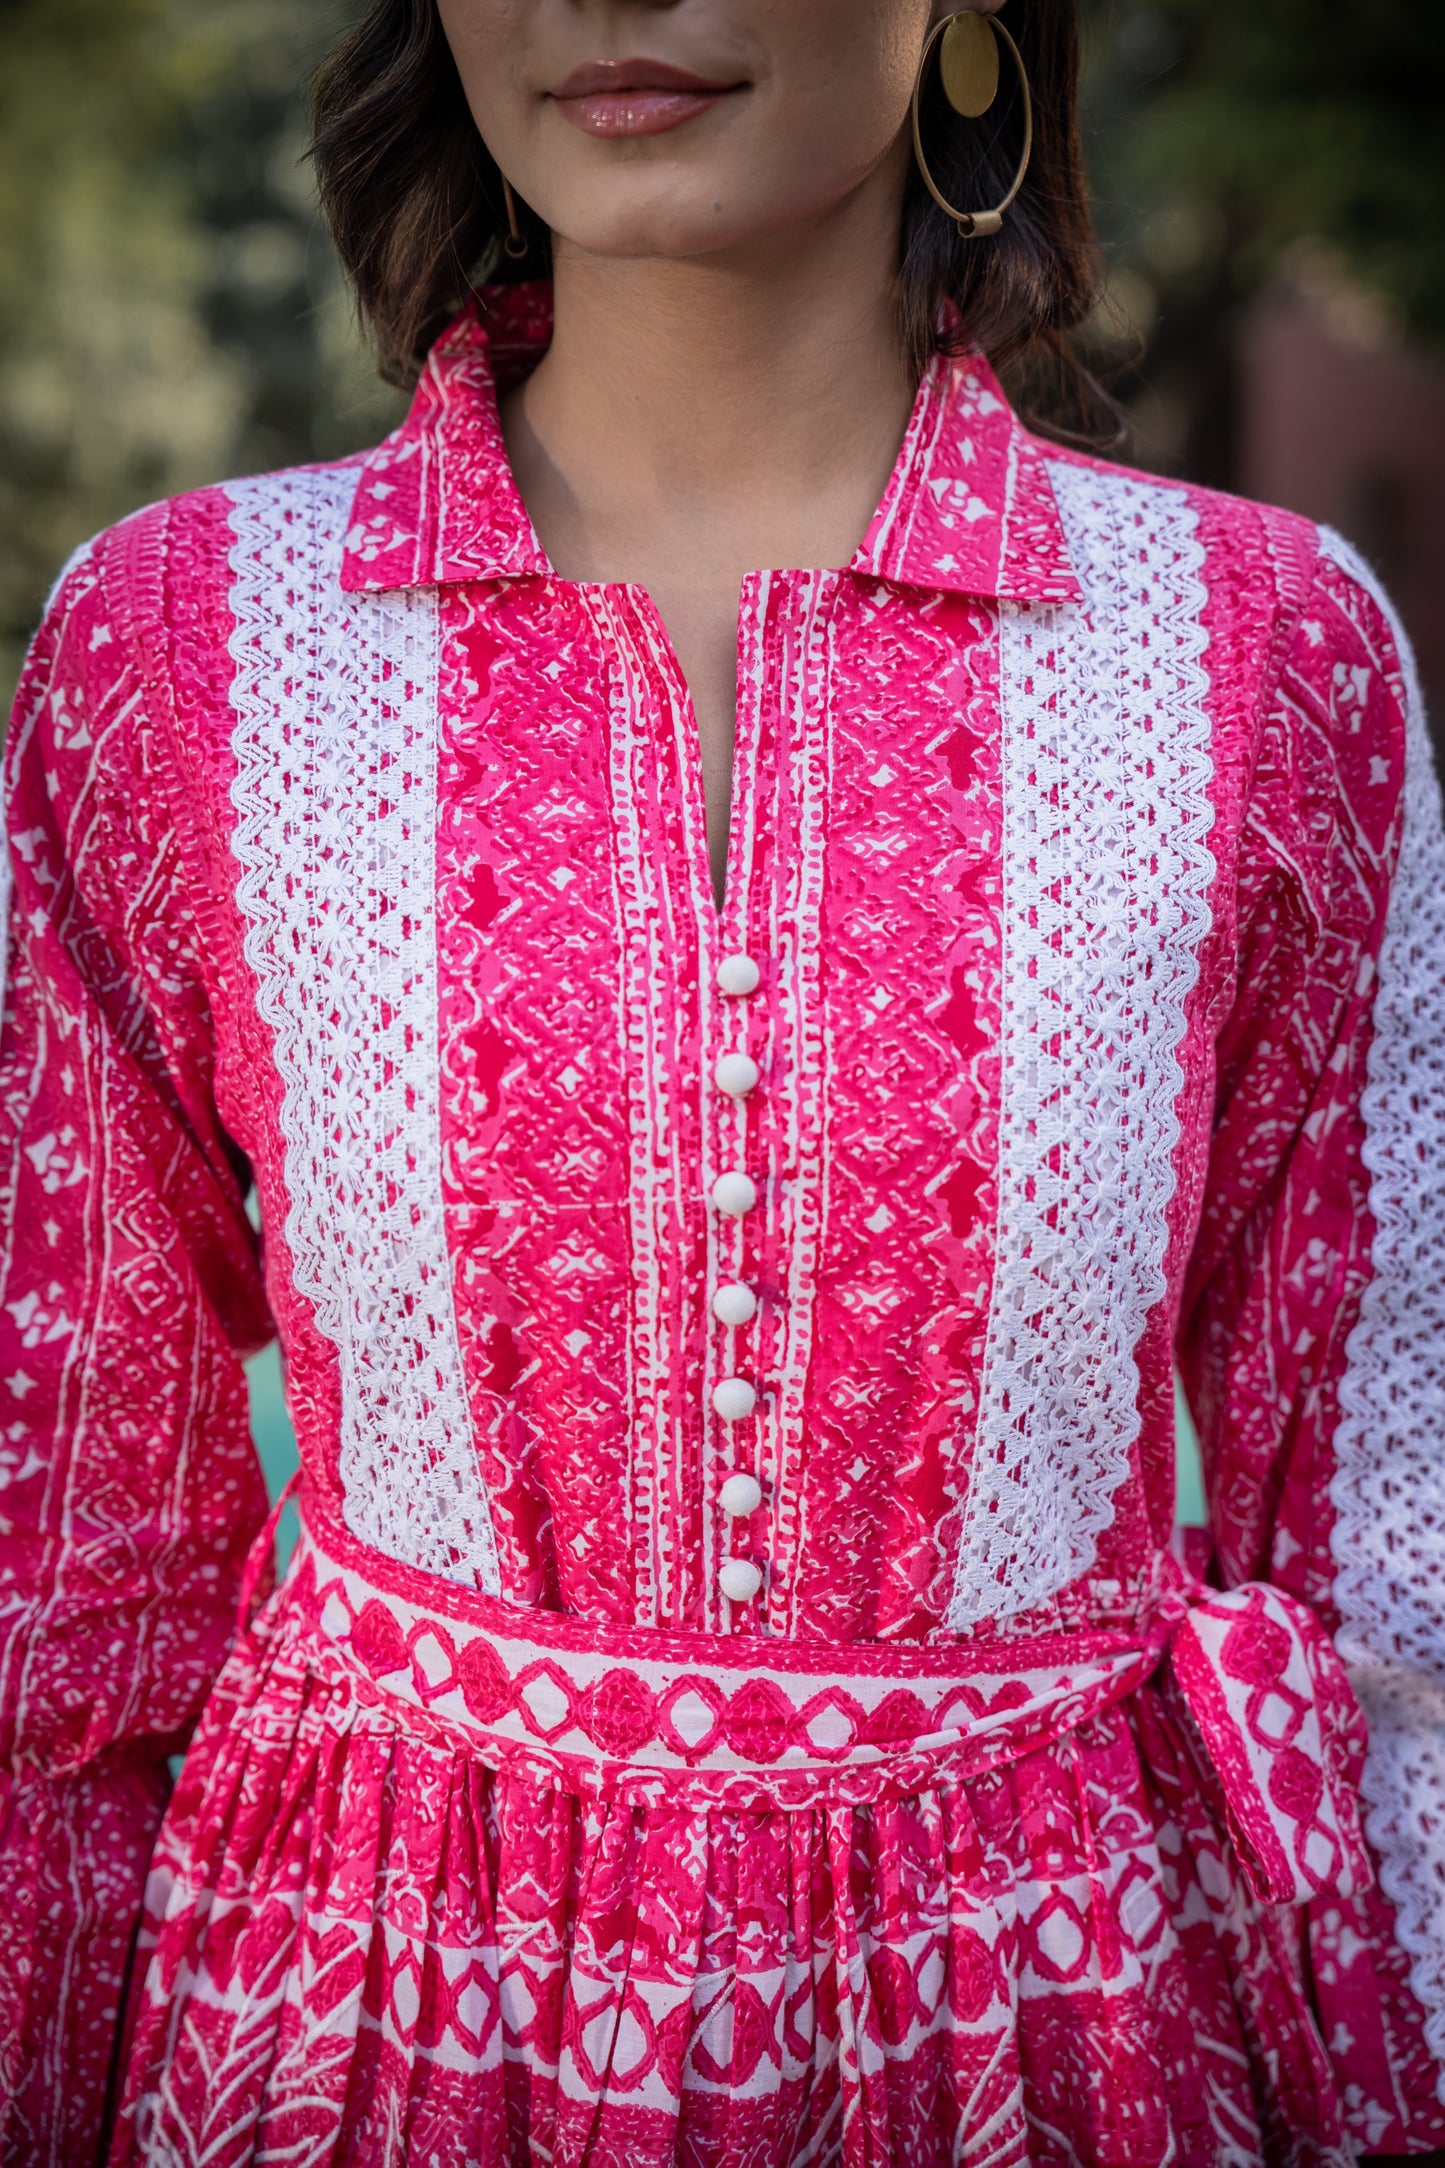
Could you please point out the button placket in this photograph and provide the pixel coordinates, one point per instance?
(735, 1075)
(774, 908)
(734, 1053)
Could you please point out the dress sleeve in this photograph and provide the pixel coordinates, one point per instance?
(1312, 1342)
(129, 1291)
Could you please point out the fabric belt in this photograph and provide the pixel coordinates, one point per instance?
(756, 1723)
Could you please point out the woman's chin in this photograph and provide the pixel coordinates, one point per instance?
(673, 230)
(731, 226)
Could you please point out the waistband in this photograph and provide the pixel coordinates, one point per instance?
(755, 1723)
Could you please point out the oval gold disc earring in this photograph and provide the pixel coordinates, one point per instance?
(968, 65)
(968, 71)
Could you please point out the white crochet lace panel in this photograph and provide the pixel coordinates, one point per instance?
(1106, 867)
(335, 704)
(1389, 1485)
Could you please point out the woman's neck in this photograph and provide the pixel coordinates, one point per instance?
(755, 404)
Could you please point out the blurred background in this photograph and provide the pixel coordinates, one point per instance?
(1270, 191)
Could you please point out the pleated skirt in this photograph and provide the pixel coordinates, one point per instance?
(363, 1946)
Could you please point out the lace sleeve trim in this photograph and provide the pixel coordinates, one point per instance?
(1388, 1490)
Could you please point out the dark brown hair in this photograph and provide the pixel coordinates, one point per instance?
(414, 198)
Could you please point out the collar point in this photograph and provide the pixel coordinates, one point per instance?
(361, 574)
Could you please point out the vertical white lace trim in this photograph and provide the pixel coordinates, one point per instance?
(335, 702)
(1389, 1486)
(1106, 772)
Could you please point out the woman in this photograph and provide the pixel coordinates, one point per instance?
(749, 1077)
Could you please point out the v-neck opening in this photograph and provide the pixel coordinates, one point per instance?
(715, 913)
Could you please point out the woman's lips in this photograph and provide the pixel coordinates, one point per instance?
(635, 97)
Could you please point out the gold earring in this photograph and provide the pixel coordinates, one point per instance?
(968, 71)
(515, 244)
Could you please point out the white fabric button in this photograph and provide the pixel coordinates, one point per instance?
(738, 975)
(734, 1399)
(734, 1193)
(739, 1579)
(734, 1304)
(740, 1496)
(735, 1074)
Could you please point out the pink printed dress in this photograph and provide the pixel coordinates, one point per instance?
(738, 1700)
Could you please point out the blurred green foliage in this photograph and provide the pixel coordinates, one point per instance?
(1257, 122)
(1237, 143)
(170, 311)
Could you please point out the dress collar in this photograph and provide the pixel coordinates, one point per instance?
(968, 506)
